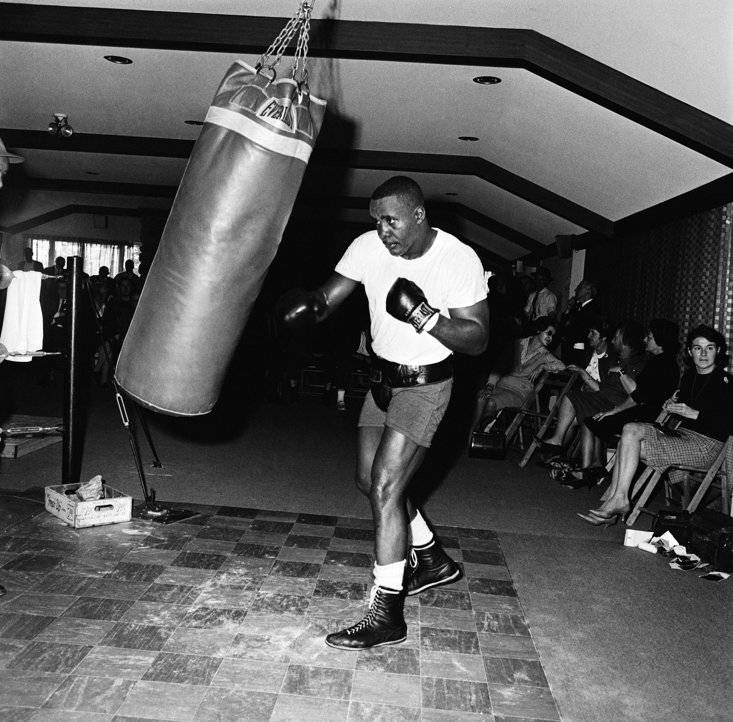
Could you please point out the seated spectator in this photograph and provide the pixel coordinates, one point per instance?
(704, 401)
(657, 380)
(532, 357)
(602, 358)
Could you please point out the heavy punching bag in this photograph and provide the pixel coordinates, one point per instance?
(223, 231)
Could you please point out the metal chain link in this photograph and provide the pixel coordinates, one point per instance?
(299, 23)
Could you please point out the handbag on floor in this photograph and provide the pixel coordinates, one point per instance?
(491, 445)
(711, 538)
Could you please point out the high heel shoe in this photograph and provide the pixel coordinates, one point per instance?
(599, 520)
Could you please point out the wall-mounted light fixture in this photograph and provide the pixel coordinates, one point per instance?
(59, 126)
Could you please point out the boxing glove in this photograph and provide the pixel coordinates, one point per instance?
(298, 307)
(406, 302)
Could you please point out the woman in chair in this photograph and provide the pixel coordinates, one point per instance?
(704, 402)
(658, 378)
(532, 357)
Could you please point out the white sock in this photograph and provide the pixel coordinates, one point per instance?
(390, 575)
(420, 531)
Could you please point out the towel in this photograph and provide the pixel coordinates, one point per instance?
(23, 322)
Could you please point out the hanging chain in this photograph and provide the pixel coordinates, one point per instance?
(299, 23)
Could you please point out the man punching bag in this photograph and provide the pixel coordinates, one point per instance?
(226, 223)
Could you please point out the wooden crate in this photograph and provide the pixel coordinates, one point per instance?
(16, 446)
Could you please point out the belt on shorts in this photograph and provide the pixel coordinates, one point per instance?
(401, 375)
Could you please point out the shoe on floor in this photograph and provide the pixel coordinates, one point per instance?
(430, 567)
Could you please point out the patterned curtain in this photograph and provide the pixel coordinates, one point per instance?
(680, 271)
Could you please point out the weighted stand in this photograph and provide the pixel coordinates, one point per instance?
(151, 509)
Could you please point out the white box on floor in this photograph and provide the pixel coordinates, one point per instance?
(62, 502)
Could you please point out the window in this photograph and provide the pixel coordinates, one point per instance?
(94, 253)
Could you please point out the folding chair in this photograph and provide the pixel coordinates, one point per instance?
(562, 383)
(649, 479)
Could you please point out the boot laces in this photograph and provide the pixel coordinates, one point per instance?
(369, 618)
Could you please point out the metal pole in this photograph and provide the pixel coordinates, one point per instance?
(71, 457)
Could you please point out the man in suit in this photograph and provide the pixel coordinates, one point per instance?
(583, 308)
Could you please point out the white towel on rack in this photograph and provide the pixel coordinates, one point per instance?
(23, 322)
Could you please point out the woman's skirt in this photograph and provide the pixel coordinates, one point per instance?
(587, 403)
(511, 392)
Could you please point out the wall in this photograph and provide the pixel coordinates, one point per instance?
(680, 271)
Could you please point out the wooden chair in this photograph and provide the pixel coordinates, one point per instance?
(647, 482)
(562, 383)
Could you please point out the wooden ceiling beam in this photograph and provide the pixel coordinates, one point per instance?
(400, 42)
(364, 159)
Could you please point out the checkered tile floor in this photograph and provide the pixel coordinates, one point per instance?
(223, 618)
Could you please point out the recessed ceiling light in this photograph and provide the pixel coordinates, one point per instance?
(91, 172)
(118, 60)
(193, 122)
(486, 80)
(468, 138)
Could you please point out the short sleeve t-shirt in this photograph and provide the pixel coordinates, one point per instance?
(450, 275)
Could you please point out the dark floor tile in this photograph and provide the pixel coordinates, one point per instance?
(348, 559)
(59, 583)
(103, 695)
(186, 575)
(276, 515)
(465, 533)
(449, 542)
(455, 694)
(32, 562)
(31, 544)
(474, 556)
(41, 656)
(303, 570)
(492, 586)
(494, 603)
(312, 530)
(221, 533)
(445, 598)
(271, 527)
(389, 659)
(162, 701)
(51, 605)
(448, 640)
(523, 701)
(236, 511)
(306, 541)
(280, 603)
(70, 630)
(14, 625)
(501, 623)
(112, 588)
(443, 618)
(507, 645)
(341, 590)
(317, 519)
(199, 560)
(236, 704)
(318, 682)
(116, 662)
(137, 636)
(302, 554)
(172, 593)
(98, 608)
(500, 670)
(10, 648)
(214, 618)
(344, 532)
(258, 551)
(132, 572)
(21, 581)
(182, 669)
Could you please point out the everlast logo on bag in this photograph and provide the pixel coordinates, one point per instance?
(279, 110)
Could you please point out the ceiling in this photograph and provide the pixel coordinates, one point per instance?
(608, 117)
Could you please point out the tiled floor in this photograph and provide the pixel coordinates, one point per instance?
(223, 618)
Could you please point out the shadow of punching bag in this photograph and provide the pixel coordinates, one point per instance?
(223, 231)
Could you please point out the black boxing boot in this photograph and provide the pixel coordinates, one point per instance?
(384, 623)
(430, 567)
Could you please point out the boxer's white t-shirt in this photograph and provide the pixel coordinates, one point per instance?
(450, 275)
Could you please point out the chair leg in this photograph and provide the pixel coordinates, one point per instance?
(649, 480)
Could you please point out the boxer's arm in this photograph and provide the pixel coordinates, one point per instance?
(336, 290)
(467, 329)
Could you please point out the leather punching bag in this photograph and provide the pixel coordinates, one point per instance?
(227, 219)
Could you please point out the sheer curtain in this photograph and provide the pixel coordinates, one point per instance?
(95, 253)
